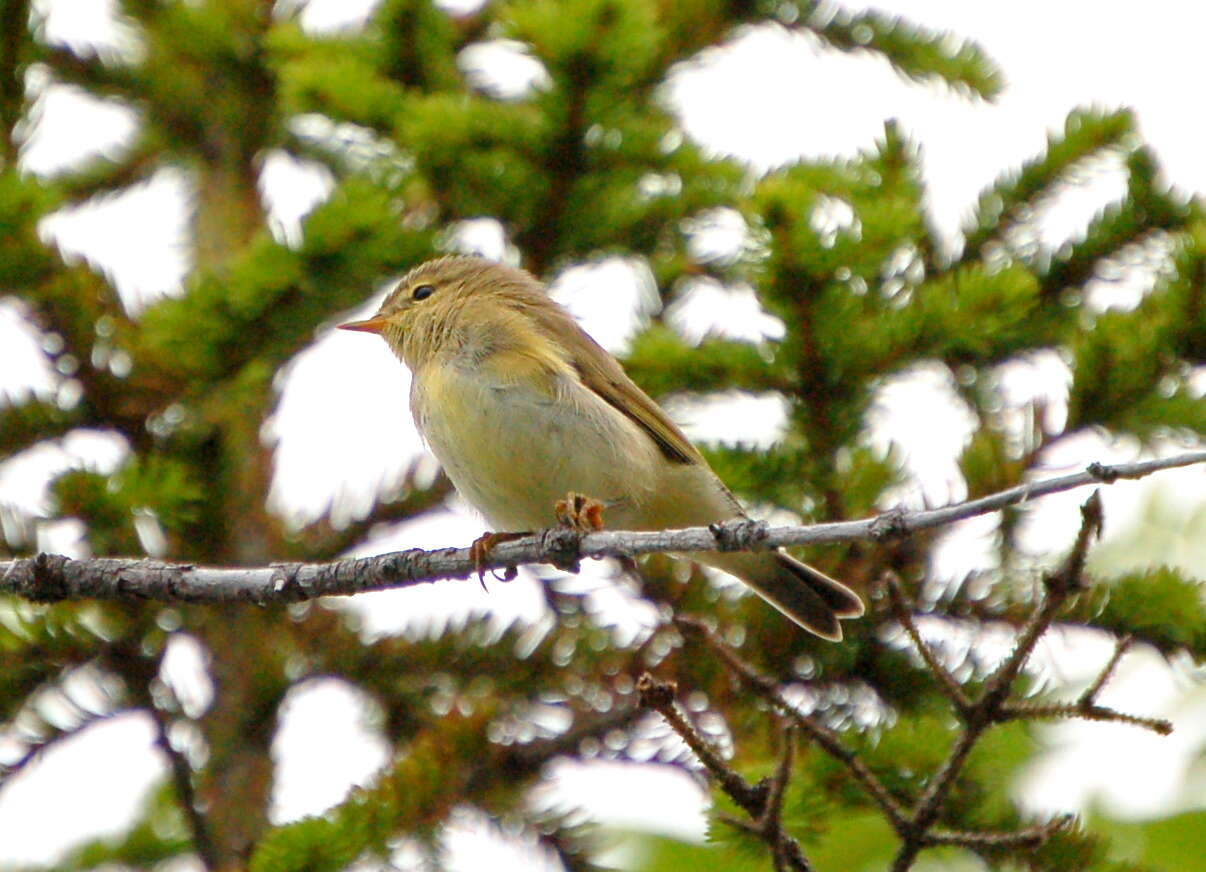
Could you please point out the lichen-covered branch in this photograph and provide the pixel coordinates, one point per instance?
(49, 578)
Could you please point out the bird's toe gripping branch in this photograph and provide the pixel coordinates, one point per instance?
(480, 550)
(579, 512)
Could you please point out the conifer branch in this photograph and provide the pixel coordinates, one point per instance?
(991, 707)
(828, 740)
(186, 797)
(1086, 707)
(916, 822)
(51, 578)
(763, 801)
(902, 611)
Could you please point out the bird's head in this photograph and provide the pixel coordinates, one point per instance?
(452, 306)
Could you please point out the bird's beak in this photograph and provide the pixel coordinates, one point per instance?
(372, 325)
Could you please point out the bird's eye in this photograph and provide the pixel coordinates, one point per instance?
(422, 292)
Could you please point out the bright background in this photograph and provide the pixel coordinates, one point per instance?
(338, 444)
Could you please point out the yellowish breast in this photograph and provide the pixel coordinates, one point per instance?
(515, 434)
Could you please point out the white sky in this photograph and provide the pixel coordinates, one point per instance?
(769, 97)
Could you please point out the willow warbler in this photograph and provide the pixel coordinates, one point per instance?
(522, 407)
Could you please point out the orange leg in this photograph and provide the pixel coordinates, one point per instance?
(579, 513)
(481, 548)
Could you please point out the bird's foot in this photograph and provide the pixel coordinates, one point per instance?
(578, 512)
(480, 551)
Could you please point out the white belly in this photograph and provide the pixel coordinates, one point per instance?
(512, 451)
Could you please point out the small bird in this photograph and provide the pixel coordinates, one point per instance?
(522, 407)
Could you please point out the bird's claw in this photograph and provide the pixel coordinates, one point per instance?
(579, 512)
(480, 550)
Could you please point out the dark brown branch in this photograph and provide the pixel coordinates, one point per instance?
(1107, 671)
(658, 696)
(989, 708)
(903, 612)
(140, 672)
(1027, 837)
(771, 821)
(1086, 706)
(763, 802)
(49, 578)
(826, 738)
(182, 781)
(916, 825)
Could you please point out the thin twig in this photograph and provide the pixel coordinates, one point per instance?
(990, 707)
(826, 738)
(658, 696)
(902, 821)
(140, 671)
(1086, 706)
(763, 802)
(916, 825)
(771, 821)
(902, 610)
(1093, 690)
(1090, 712)
(50, 578)
(182, 781)
(1027, 837)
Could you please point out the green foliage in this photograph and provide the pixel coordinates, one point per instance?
(421, 788)
(778, 474)
(1164, 844)
(275, 295)
(1147, 208)
(23, 425)
(986, 463)
(664, 363)
(23, 260)
(590, 162)
(477, 153)
(160, 835)
(608, 45)
(1161, 607)
(977, 314)
(860, 842)
(1086, 133)
(914, 51)
(660, 854)
(337, 74)
(64, 635)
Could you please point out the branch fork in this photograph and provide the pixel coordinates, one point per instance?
(915, 822)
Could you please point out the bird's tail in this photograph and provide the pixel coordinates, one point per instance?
(809, 597)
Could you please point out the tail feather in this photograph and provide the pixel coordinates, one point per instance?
(809, 597)
(844, 602)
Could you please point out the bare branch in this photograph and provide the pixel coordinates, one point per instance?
(826, 738)
(991, 707)
(51, 578)
(182, 782)
(917, 822)
(1086, 706)
(902, 610)
(658, 696)
(1027, 837)
(763, 802)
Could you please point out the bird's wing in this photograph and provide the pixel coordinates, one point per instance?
(601, 373)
